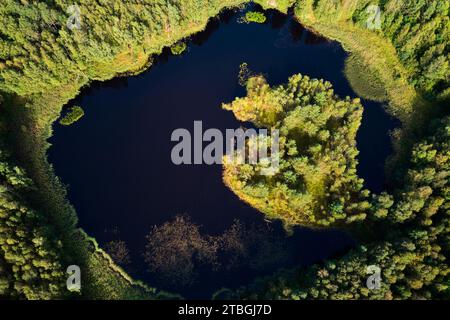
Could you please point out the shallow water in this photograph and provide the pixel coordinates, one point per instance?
(116, 160)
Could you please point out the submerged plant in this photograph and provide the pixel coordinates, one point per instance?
(119, 252)
(176, 250)
(244, 74)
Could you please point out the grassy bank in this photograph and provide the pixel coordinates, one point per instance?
(375, 72)
(372, 51)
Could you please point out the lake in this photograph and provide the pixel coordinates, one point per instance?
(116, 159)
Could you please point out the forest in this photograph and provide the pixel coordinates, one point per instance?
(413, 256)
(405, 229)
(317, 183)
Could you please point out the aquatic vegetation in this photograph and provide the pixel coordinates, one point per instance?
(178, 48)
(74, 114)
(118, 251)
(411, 250)
(365, 84)
(257, 17)
(244, 74)
(175, 250)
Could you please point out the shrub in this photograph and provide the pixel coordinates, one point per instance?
(178, 48)
(257, 17)
(74, 114)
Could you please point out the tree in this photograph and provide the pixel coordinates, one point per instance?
(316, 183)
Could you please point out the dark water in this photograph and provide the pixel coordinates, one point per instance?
(116, 160)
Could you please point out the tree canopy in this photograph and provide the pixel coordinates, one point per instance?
(412, 249)
(317, 183)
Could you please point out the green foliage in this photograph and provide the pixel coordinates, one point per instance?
(365, 84)
(253, 16)
(281, 5)
(38, 52)
(178, 48)
(105, 280)
(30, 252)
(412, 257)
(46, 64)
(426, 183)
(419, 30)
(317, 182)
(73, 115)
(373, 56)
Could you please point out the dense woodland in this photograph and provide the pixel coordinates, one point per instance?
(317, 182)
(43, 64)
(35, 43)
(412, 253)
(419, 31)
(29, 263)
